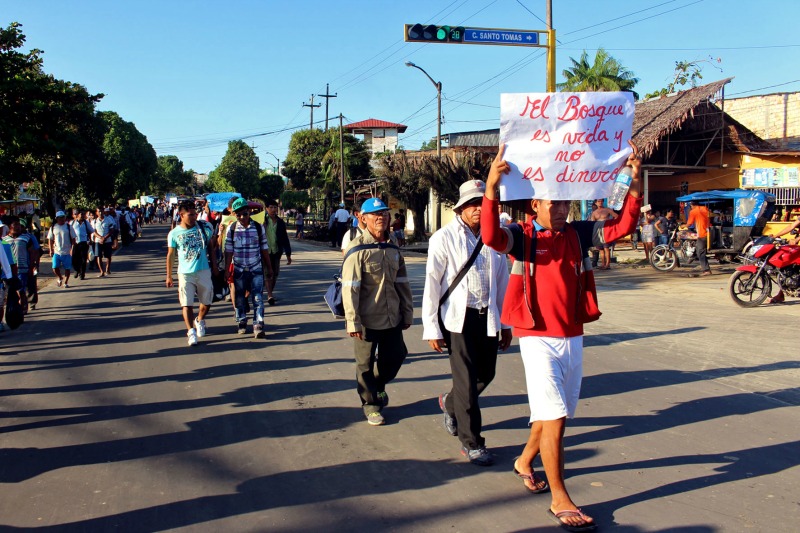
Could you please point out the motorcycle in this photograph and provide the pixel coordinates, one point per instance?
(665, 257)
(767, 261)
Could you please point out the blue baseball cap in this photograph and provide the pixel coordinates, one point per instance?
(373, 205)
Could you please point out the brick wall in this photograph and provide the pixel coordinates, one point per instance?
(773, 117)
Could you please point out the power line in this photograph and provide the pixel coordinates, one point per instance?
(631, 23)
(696, 49)
(531, 12)
(595, 25)
(767, 87)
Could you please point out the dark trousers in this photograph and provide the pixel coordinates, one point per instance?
(473, 358)
(378, 359)
(702, 250)
(341, 229)
(80, 252)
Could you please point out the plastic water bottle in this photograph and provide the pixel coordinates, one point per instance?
(620, 190)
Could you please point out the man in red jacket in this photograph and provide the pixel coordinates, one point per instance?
(550, 296)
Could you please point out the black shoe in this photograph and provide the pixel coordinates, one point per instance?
(450, 424)
(479, 456)
(383, 398)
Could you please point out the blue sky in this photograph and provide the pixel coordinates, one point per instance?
(194, 74)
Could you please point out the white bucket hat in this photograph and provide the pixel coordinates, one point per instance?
(469, 190)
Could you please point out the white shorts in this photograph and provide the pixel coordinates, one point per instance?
(553, 373)
(195, 284)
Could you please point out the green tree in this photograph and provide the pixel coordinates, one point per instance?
(291, 199)
(356, 158)
(170, 176)
(686, 73)
(604, 74)
(446, 174)
(271, 186)
(239, 168)
(132, 160)
(49, 134)
(409, 180)
(303, 164)
(430, 145)
(216, 183)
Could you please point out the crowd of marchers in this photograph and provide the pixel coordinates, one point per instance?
(472, 304)
(76, 241)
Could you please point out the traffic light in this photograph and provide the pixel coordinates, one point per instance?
(433, 34)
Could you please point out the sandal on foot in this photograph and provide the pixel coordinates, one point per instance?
(556, 517)
(533, 478)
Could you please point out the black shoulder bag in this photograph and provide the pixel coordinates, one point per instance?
(462, 272)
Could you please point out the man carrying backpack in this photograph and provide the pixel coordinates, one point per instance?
(246, 249)
(192, 242)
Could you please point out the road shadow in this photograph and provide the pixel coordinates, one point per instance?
(312, 486)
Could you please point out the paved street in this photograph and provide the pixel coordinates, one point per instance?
(689, 416)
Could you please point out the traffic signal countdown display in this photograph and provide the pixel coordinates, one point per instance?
(433, 34)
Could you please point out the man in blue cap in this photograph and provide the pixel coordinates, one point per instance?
(377, 301)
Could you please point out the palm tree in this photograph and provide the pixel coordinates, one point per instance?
(605, 74)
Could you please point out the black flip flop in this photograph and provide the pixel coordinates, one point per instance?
(533, 478)
(556, 517)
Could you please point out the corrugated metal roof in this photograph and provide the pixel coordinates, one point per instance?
(374, 123)
(474, 138)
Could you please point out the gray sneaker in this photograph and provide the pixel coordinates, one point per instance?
(375, 419)
(241, 329)
(258, 331)
(450, 423)
(479, 456)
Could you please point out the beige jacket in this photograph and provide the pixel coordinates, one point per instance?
(375, 289)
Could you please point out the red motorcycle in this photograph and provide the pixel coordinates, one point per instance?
(766, 262)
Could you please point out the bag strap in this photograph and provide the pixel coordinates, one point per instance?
(462, 272)
(259, 230)
(358, 248)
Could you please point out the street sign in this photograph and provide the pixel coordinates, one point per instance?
(460, 35)
(500, 36)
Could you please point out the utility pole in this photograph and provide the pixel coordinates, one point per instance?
(551, 49)
(341, 155)
(327, 96)
(312, 106)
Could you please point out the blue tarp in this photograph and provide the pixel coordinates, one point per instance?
(218, 201)
(747, 205)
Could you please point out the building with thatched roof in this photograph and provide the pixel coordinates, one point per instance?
(688, 144)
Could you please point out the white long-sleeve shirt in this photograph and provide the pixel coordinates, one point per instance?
(447, 253)
(5, 266)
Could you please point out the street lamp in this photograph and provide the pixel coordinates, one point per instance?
(276, 158)
(438, 86)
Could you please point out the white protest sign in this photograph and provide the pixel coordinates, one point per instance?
(564, 146)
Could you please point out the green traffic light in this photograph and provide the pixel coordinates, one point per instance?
(442, 33)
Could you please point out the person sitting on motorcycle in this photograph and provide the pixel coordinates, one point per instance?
(789, 229)
(778, 298)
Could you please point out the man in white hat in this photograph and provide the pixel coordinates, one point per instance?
(61, 237)
(464, 317)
